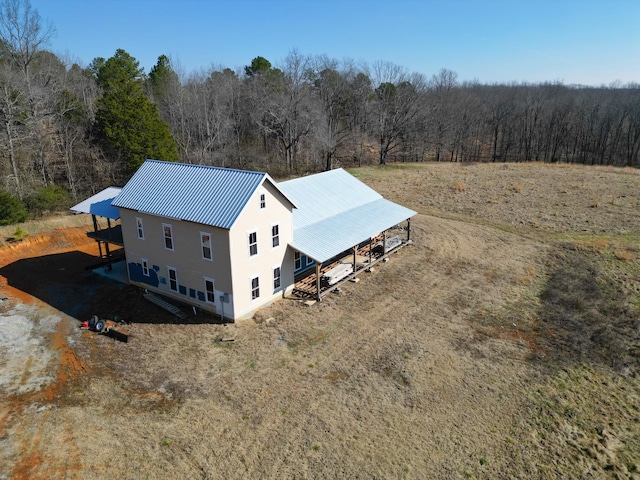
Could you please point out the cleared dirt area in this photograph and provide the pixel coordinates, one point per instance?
(503, 344)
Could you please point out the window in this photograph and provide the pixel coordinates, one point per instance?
(253, 243)
(208, 286)
(173, 279)
(140, 228)
(145, 267)
(276, 278)
(297, 260)
(205, 242)
(255, 288)
(168, 236)
(275, 236)
(263, 200)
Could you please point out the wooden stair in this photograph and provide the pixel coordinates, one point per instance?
(155, 299)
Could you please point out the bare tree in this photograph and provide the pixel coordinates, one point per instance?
(22, 33)
(400, 105)
(10, 107)
(22, 36)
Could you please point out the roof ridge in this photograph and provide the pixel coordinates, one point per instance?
(211, 167)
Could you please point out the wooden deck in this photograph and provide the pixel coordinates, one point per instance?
(366, 256)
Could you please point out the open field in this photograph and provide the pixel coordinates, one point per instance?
(505, 343)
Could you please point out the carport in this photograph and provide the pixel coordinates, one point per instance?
(99, 206)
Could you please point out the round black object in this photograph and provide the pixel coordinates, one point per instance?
(92, 321)
(99, 325)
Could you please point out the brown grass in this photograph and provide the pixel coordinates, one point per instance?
(459, 187)
(624, 255)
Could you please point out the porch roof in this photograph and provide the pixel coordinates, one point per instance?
(100, 204)
(327, 238)
(336, 211)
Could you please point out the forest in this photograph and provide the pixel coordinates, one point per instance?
(67, 130)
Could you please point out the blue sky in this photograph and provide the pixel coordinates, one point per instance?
(573, 41)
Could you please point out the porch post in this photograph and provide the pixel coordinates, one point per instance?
(318, 268)
(95, 230)
(408, 229)
(355, 255)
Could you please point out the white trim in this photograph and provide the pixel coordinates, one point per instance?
(145, 266)
(140, 228)
(164, 237)
(169, 270)
(202, 245)
(206, 292)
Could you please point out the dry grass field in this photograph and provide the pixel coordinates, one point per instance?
(505, 343)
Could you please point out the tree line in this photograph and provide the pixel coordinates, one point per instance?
(67, 131)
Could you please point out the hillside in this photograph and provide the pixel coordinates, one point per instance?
(503, 344)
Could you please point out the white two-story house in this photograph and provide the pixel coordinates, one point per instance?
(207, 235)
(231, 241)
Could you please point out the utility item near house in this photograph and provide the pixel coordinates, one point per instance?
(233, 241)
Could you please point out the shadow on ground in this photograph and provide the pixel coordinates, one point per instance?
(63, 281)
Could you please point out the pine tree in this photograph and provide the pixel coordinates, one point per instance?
(128, 122)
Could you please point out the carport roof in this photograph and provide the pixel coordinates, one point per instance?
(100, 204)
(336, 211)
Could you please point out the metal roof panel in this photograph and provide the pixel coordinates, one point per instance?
(326, 194)
(337, 211)
(195, 193)
(325, 239)
(100, 204)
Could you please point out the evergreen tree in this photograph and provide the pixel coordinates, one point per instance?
(128, 123)
(162, 77)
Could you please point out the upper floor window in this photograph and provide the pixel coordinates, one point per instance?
(255, 288)
(140, 228)
(275, 235)
(168, 236)
(253, 243)
(263, 200)
(205, 242)
(297, 259)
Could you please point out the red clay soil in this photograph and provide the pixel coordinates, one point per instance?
(51, 246)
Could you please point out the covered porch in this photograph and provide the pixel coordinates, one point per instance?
(321, 279)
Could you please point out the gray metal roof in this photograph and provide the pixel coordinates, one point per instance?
(326, 194)
(100, 204)
(337, 211)
(195, 193)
